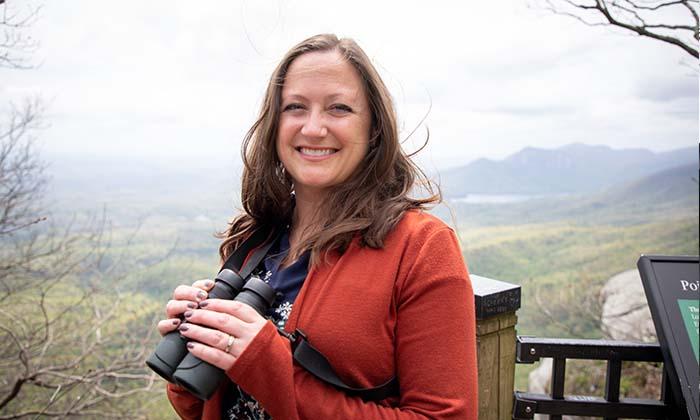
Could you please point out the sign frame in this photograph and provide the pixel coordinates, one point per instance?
(664, 301)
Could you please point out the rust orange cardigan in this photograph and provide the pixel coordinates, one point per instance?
(406, 310)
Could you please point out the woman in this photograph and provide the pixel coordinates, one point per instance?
(379, 287)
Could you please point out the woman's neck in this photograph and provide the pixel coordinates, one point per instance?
(306, 216)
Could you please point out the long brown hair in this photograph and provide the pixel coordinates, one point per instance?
(369, 204)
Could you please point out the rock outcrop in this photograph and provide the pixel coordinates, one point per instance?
(626, 314)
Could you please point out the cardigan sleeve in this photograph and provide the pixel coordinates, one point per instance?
(435, 351)
(186, 405)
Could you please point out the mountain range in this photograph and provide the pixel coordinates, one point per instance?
(575, 168)
(663, 195)
(579, 181)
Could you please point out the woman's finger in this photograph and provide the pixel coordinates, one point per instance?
(168, 325)
(190, 293)
(214, 324)
(205, 284)
(218, 321)
(176, 308)
(211, 355)
(213, 338)
(240, 310)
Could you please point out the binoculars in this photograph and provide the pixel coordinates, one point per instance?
(174, 363)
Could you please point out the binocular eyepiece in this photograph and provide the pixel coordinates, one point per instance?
(174, 363)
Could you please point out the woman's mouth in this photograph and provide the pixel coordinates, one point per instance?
(315, 152)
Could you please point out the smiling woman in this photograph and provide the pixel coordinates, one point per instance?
(378, 287)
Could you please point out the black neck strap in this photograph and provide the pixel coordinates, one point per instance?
(316, 363)
(251, 252)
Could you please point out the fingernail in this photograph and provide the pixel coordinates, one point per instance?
(183, 327)
(203, 304)
(191, 305)
(188, 314)
(201, 295)
(176, 321)
(208, 284)
(190, 345)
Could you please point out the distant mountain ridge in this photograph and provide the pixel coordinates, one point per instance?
(575, 168)
(667, 192)
(664, 195)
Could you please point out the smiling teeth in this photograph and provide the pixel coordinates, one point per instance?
(316, 152)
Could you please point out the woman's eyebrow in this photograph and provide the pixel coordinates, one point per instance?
(339, 95)
(344, 95)
(293, 96)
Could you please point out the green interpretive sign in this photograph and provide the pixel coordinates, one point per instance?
(690, 311)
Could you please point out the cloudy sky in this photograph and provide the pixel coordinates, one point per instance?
(174, 81)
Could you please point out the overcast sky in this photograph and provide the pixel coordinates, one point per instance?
(172, 81)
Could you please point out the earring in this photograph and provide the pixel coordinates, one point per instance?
(280, 171)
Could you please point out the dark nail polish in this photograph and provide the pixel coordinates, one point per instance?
(188, 314)
(208, 284)
(203, 304)
(201, 295)
(190, 345)
(191, 305)
(176, 321)
(183, 327)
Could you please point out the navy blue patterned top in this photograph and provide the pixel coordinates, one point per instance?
(287, 282)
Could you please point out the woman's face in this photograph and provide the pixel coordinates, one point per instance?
(324, 122)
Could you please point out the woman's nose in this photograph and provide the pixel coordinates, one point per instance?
(314, 126)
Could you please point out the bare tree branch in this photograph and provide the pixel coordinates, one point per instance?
(22, 178)
(16, 46)
(696, 20)
(71, 343)
(638, 18)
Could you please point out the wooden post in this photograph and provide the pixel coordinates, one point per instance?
(496, 303)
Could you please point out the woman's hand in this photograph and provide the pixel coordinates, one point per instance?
(185, 298)
(221, 330)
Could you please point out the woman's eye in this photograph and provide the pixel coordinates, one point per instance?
(341, 108)
(292, 107)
